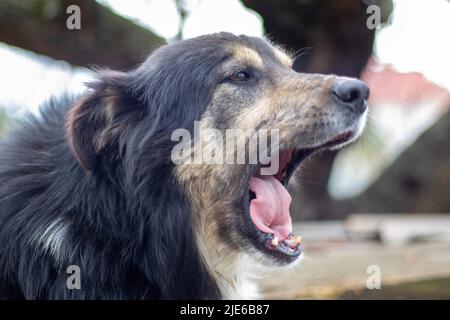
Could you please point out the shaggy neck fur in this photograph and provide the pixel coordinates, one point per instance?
(128, 227)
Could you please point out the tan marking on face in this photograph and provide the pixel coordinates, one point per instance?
(222, 261)
(283, 57)
(247, 56)
(296, 102)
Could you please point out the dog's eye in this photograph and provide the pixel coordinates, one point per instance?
(240, 76)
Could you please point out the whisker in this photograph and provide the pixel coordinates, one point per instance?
(301, 52)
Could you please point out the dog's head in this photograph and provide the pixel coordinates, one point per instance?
(212, 88)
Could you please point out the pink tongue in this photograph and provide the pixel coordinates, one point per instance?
(270, 210)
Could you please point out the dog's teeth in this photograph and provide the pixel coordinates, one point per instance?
(291, 242)
(275, 241)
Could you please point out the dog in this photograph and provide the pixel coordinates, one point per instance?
(90, 184)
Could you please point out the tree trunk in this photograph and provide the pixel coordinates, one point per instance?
(105, 38)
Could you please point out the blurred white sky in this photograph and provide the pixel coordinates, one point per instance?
(207, 16)
(27, 79)
(416, 40)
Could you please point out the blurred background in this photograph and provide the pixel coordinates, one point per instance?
(374, 214)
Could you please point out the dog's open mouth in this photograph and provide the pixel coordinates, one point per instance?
(269, 203)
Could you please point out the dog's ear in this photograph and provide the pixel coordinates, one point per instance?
(91, 125)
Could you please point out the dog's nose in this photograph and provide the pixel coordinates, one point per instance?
(352, 93)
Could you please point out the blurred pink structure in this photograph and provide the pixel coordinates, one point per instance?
(411, 88)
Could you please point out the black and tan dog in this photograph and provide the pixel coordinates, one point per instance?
(91, 181)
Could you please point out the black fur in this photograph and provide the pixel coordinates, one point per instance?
(106, 175)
